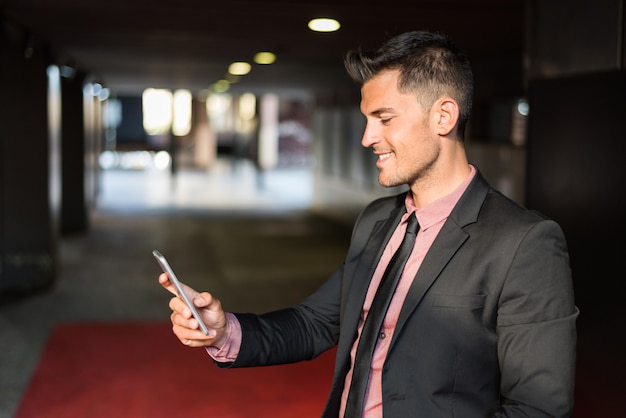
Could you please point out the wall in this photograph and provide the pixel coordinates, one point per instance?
(29, 164)
(577, 132)
(576, 154)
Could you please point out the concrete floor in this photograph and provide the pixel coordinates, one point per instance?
(256, 248)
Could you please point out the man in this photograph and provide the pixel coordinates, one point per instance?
(482, 321)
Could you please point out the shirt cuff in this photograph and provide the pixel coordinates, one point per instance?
(230, 349)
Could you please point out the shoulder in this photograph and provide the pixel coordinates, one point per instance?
(497, 205)
(376, 213)
(504, 223)
(481, 202)
(382, 208)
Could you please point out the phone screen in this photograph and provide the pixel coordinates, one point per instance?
(165, 266)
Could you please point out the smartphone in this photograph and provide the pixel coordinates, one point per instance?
(165, 266)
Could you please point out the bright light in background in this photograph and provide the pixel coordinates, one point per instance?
(157, 111)
(54, 101)
(221, 86)
(111, 113)
(218, 104)
(134, 160)
(161, 160)
(264, 58)
(54, 84)
(247, 106)
(324, 24)
(96, 89)
(246, 112)
(182, 113)
(268, 133)
(518, 122)
(219, 112)
(108, 160)
(105, 93)
(239, 68)
(522, 107)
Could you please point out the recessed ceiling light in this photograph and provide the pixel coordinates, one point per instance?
(324, 24)
(264, 58)
(221, 86)
(239, 68)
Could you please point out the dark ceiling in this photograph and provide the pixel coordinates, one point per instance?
(130, 45)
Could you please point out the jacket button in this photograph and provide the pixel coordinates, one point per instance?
(382, 335)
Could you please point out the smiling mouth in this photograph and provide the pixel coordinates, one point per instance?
(383, 157)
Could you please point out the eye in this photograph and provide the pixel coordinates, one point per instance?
(385, 121)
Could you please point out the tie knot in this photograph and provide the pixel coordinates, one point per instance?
(413, 226)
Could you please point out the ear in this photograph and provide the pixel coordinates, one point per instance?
(446, 116)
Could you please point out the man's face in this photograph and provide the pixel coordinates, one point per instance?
(398, 131)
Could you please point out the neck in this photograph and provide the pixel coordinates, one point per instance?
(443, 179)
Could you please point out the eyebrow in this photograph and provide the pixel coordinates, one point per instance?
(377, 112)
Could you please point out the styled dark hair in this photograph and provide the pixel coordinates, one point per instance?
(430, 65)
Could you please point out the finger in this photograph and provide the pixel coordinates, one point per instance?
(202, 300)
(164, 280)
(189, 337)
(207, 300)
(189, 291)
(179, 306)
(187, 325)
(192, 343)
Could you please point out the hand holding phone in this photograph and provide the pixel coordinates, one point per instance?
(165, 266)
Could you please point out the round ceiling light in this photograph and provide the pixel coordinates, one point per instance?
(239, 68)
(264, 58)
(324, 24)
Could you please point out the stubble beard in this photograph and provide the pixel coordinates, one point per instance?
(410, 176)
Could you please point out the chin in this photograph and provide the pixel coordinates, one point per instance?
(388, 183)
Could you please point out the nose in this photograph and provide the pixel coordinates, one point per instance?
(369, 136)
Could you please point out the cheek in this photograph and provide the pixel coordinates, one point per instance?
(420, 149)
(412, 139)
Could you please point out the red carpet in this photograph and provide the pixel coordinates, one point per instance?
(141, 370)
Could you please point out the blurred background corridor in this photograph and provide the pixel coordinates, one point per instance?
(227, 135)
(254, 249)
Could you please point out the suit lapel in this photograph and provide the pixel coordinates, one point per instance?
(364, 270)
(446, 244)
(448, 241)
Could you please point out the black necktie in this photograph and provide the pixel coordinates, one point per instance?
(374, 321)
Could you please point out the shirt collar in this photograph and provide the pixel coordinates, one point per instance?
(440, 209)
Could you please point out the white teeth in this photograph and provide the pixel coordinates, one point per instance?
(384, 156)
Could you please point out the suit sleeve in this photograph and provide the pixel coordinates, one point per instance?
(536, 328)
(301, 332)
(308, 329)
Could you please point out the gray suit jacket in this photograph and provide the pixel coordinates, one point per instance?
(487, 329)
